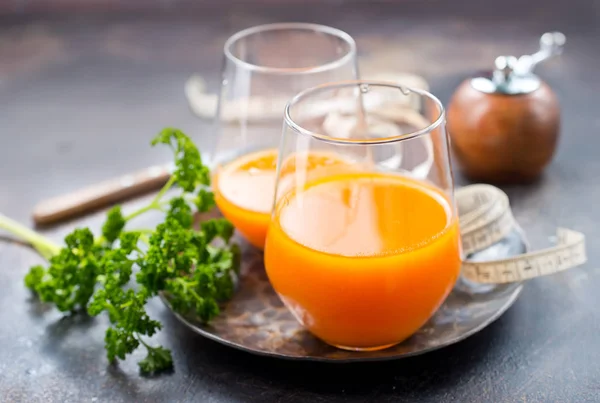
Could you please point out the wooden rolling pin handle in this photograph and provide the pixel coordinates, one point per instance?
(100, 195)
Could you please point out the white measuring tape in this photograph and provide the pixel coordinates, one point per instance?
(486, 218)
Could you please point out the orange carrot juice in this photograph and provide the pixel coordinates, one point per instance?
(245, 187)
(363, 260)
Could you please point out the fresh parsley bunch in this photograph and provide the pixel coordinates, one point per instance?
(94, 273)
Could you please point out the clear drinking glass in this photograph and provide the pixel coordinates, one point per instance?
(363, 245)
(264, 67)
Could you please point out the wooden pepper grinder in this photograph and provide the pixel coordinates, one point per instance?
(504, 124)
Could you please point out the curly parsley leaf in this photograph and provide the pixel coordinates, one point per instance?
(114, 224)
(205, 200)
(69, 280)
(189, 172)
(180, 211)
(158, 359)
(218, 228)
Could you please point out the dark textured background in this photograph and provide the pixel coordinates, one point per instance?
(81, 93)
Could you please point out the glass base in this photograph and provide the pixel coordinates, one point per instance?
(363, 348)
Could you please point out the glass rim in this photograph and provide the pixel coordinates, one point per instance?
(285, 26)
(364, 141)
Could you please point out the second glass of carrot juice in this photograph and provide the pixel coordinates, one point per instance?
(365, 251)
(264, 67)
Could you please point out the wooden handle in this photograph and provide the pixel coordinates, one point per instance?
(100, 195)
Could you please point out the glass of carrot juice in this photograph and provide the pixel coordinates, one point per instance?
(365, 251)
(264, 66)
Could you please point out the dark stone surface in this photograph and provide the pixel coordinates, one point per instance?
(80, 96)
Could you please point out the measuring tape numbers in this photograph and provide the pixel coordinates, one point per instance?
(486, 218)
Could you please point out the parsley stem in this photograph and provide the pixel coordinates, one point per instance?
(142, 230)
(151, 206)
(43, 245)
(185, 283)
(144, 239)
(164, 189)
(137, 336)
(155, 204)
(199, 298)
(189, 288)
